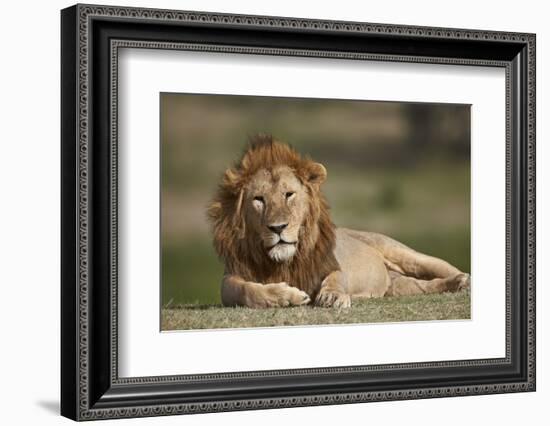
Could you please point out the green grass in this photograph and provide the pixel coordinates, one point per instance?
(445, 306)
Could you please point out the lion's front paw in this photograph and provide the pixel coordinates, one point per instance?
(282, 295)
(332, 299)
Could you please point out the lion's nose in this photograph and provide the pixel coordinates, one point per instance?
(278, 228)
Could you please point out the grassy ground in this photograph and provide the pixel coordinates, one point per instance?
(389, 309)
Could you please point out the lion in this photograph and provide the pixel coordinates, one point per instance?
(272, 229)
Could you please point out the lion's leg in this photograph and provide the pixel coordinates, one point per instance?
(237, 292)
(400, 258)
(333, 292)
(418, 265)
(402, 285)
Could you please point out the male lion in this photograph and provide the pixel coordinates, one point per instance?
(272, 229)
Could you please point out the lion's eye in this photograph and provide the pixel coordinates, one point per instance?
(259, 198)
(289, 194)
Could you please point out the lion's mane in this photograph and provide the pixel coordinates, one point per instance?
(241, 251)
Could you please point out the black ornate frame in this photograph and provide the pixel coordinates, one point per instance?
(91, 37)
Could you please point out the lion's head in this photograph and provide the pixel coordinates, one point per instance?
(270, 218)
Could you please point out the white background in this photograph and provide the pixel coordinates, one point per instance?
(29, 213)
(146, 352)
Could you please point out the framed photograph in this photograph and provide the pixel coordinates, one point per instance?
(263, 212)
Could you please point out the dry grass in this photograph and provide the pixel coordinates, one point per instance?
(389, 309)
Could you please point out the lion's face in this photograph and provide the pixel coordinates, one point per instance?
(276, 204)
(269, 211)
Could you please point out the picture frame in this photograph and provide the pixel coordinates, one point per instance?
(90, 384)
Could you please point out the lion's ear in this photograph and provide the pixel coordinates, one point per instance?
(317, 173)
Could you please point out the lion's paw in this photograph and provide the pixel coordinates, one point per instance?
(283, 295)
(463, 281)
(458, 282)
(332, 299)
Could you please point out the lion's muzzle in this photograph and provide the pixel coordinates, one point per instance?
(282, 251)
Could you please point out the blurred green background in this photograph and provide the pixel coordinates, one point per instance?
(402, 169)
